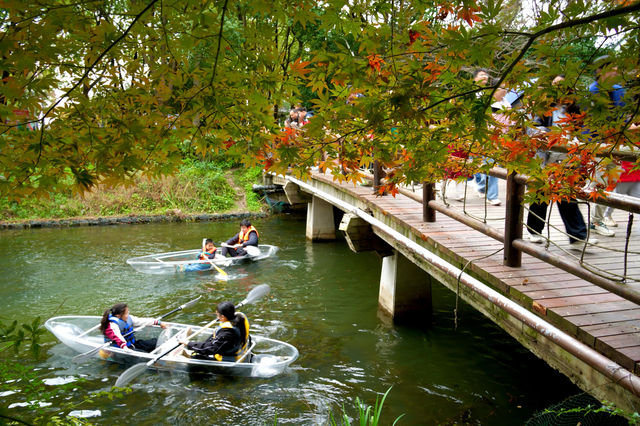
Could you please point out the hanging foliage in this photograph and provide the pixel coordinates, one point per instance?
(102, 91)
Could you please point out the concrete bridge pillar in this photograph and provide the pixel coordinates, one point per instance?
(405, 289)
(320, 224)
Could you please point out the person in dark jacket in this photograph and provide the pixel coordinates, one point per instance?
(228, 340)
(248, 236)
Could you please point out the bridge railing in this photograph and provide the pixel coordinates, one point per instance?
(511, 237)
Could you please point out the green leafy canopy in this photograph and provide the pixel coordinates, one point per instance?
(100, 92)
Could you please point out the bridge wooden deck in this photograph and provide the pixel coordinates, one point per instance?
(602, 320)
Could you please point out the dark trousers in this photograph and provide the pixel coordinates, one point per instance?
(146, 345)
(570, 214)
(233, 252)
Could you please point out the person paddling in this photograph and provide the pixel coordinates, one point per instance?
(117, 326)
(228, 341)
(209, 250)
(248, 236)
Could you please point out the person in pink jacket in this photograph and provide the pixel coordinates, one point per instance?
(117, 326)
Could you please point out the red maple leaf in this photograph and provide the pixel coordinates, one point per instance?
(413, 36)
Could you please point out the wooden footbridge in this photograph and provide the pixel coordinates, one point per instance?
(571, 308)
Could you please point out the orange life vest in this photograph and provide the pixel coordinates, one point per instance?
(245, 237)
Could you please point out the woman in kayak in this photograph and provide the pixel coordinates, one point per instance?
(228, 341)
(117, 326)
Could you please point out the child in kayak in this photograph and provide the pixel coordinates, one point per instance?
(117, 326)
(208, 253)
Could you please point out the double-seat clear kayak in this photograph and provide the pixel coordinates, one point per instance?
(186, 260)
(264, 357)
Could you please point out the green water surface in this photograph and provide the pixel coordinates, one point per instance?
(323, 300)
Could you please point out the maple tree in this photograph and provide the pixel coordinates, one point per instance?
(111, 89)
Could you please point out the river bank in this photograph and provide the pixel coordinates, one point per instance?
(199, 191)
(176, 216)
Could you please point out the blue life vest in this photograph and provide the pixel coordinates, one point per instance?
(125, 327)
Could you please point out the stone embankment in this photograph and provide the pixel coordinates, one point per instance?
(126, 220)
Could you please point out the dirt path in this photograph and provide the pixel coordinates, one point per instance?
(241, 199)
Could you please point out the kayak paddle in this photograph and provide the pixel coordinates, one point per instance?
(86, 355)
(132, 372)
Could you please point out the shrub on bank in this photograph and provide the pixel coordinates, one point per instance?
(198, 187)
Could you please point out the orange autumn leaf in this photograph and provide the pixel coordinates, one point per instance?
(299, 67)
(375, 61)
(469, 15)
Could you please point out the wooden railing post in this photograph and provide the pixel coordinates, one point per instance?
(377, 177)
(513, 221)
(428, 194)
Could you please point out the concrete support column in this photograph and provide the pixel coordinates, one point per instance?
(320, 224)
(405, 289)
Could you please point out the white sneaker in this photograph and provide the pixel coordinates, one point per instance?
(601, 228)
(609, 222)
(579, 245)
(494, 202)
(536, 238)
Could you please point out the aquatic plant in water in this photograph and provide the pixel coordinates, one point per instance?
(367, 415)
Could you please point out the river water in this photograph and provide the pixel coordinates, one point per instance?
(323, 300)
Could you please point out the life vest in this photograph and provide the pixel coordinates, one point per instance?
(126, 327)
(245, 237)
(237, 352)
(205, 255)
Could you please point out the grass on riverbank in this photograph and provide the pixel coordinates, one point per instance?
(198, 187)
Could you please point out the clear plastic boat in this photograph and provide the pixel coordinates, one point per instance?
(265, 357)
(185, 261)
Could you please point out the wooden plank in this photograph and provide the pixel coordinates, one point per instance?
(621, 340)
(557, 294)
(605, 317)
(608, 329)
(580, 300)
(567, 311)
(537, 283)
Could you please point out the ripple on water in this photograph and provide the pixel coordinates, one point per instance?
(293, 264)
(56, 381)
(85, 414)
(441, 391)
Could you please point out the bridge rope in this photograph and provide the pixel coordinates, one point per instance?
(462, 270)
(603, 273)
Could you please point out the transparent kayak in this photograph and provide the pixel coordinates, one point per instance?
(265, 357)
(185, 261)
